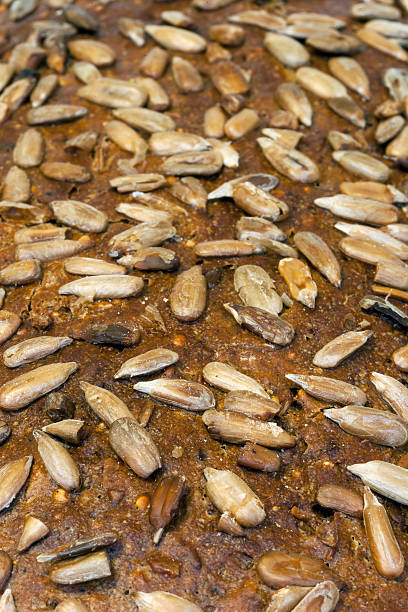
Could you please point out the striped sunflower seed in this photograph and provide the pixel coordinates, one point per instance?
(108, 333)
(288, 51)
(340, 499)
(88, 266)
(251, 405)
(292, 98)
(229, 79)
(229, 493)
(86, 72)
(103, 286)
(383, 44)
(79, 215)
(400, 358)
(156, 601)
(262, 323)
(385, 478)
(256, 288)
(151, 258)
(69, 430)
(367, 251)
(55, 113)
(34, 349)
(154, 63)
(291, 163)
(39, 233)
(226, 248)
(258, 227)
(133, 30)
(394, 393)
(77, 548)
(329, 389)
(341, 347)
(238, 428)
(176, 39)
(104, 403)
(299, 280)
(278, 569)
(139, 237)
(50, 250)
(28, 387)
(126, 138)
(114, 93)
(189, 295)
(350, 72)
(9, 324)
(16, 186)
(202, 163)
(227, 378)
(43, 90)
(145, 119)
(180, 393)
(71, 604)
(284, 600)
(171, 143)
(33, 530)
(378, 426)
(324, 595)
(397, 248)
(58, 462)
(82, 569)
(20, 273)
(147, 363)
(384, 548)
(315, 249)
(373, 191)
(13, 476)
(134, 446)
(92, 51)
(255, 201)
(319, 83)
(29, 149)
(186, 76)
(359, 209)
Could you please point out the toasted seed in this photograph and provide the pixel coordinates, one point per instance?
(138, 182)
(362, 165)
(165, 502)
(336, 43)
(289, 139)
(151, 258)
(104, 286)
(15, 94)
(287, 598)
(59, 406)
(359, 209)
(315, 249)
(228, 78)
(158, 97)
(141, 236)
(278, 569)
(33, 349)
(189, 295)
(214, 122)
(351, 73)
(267, 182)
(104, 403)
(20, 273)
(58, 462)
(79, 547)
(111, 333)
(338, 349)
(237, 428)
(50, 250)
(291, 163)
(286, 50)
(139, 212)
(251, 404)
(79, 215)
(324, 595)
(321, 84)
(384, 547)
(86, 72)
(88, 266)
(227, 34)
(329, 389)
(381, 307)
(70, 430)
(229, 493)
(16, 186)
(261, 322)
(145, 119)
(55, 113)
(397, 248)
(340, 499)
(134, 446)
(227, 378)
(93, 51)
(316, 18)
(82, 569)
(33, 530)
(180, 393)
(203, 163)
(385, 478)
(190, 191)
(226, 248)
(65, 171)
(29, 149)
(28, 387)
(299, 280)
(374, 10)
(241, 124)
(367, 250)
(393, 392)
(257, 227)
(72, 604)
(256, 288)
(258, 458)
(154, 63)
(396, 81)
(186, 75)
(255, 201)
(307, 30)
(13, 476)
(383, 44)
(156, 601)
(390, 29)
(373, 191)
(292, 98)
(114, 93)
(228, 524)
(346, 108)
(147, 363)
(378, 426)
(388, 108)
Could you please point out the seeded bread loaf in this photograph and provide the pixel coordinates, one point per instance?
(202, 283)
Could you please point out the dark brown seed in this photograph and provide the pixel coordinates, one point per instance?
(5, 431)
(6, 566)
(107, 333)
(340, 499)
(77, 548)
(265, 324)
(165, 502)
(59, 406)
(258, 458)
(228, 78)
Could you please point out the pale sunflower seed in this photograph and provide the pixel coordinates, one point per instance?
(400, 358)
(335, 43)
(383, 44)
(385, 478)
(34, 349)
(292, 98)
(13, 476)
(9, 324)
(58, 462)
(227, 378)
(390, 274)
(55, 113)
(359, 209)
(396, 81)
(241, 124)
(135, 446)
(33, 530)
(86, 72)
(251, 405)
(389, 128)
(286, 50)
(226, 248)
(138, 182)
(258, 227)
(43, 90)
(82, 569)
(20, 273)
(158, 97)
(373, 191)
(351, 73)
(368, 251)
(324, 595)
(103, 286)
(255, 201)
(140, 236)
(214, 122)
(189, 295)
(114, 93)
(319, 83)
(104, 403)
(284, 600)
(346, 108)
(340, 499)
(315, 249)
(180, 393)
(397, 148)
(145, 119)
(7, 601)
(16, 186)
(374, 10)
(390, 29)
(393, 392)
(256, 288)
(82, 216)
(69, 430)
(84, 141)
(132, 29)
(186, 75)
(154, 63)
(203, 163)
(291, 163)
(329, 389)
(151, 258)
(378, 426)
(155, 601)
(267, 182)
(229, 79)
(397, 248)
(71, 604)
(126, 138)
(147, 363)
(93, 51)
(77, 548)
(88, 266)
(341, 347)
(190, 191)
(177, 39)
(50, 250)
(262, 19)
(230, 157)
(171, 143)
(29, 149)
(397, 230)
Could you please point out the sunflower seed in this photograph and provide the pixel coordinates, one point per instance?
(186, 75)
(383, 44)
(28, 387)
(54, 113)
(380, 307)
(227, 34)
(92, 51)
(133, 30)
(158, 97)
(103, 286)
(58, 462)
(267, 182)
(79, 215)
(292, 98)
(156, 601)
(340, 499)
(214, 122)
(397, 248)
(126, 138)
(9, 324)
(393, 392)
(397, 148)
(378, 426)
(325, 595)
(256, 288)
(255, 201)
(85, 141)
(373, 191)
(171, 143)
(307, 30)
(359, 209)
(86, 72)
(251, 405)
(400, 358)
(71, 604)
(147, 363)
(70, 430)
(151, 258)
(257, 227)
(138, 182)
(228, 78)
(165, 502)
(230, 157)
(105, 404)
(114, 93)
(262, 19)
(203, 163)
(338, 349)
(396, 81)
(351, 73)
(79, 547)
(241, 124)
(13, 476)
(16, 186)
(215, 53)
(227, 378)
(134, 446)
(334, 42)
(21, 8)
(20, 273)
(88, 266)
(145, 119)
(385, 478)
(329, 389)
(80, 18)
(289, 162)
(299, 280)
(317, 18)
(189, 295)
(390, 274)
(346, 108)
(82, 569)
(258, 458)
(286, 50)
(287, 598)
(26, 56)
(7, 601)
(33, 530)
(226, 248)
(140, 236)
(190, 191)
(29, 149)
(33, 349)
(278, 569)
(389, 128)
(388, 108)
(180, 393)
(66, 172)
(143, 213)
(374, 10)
(237, 428)
(367, 251)
(288, 139)
(319, 83)
(50, 250)
(177, 39)
(269, 326)
(320, 255)
(390, 29)
(154, 63)
(6, 73)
